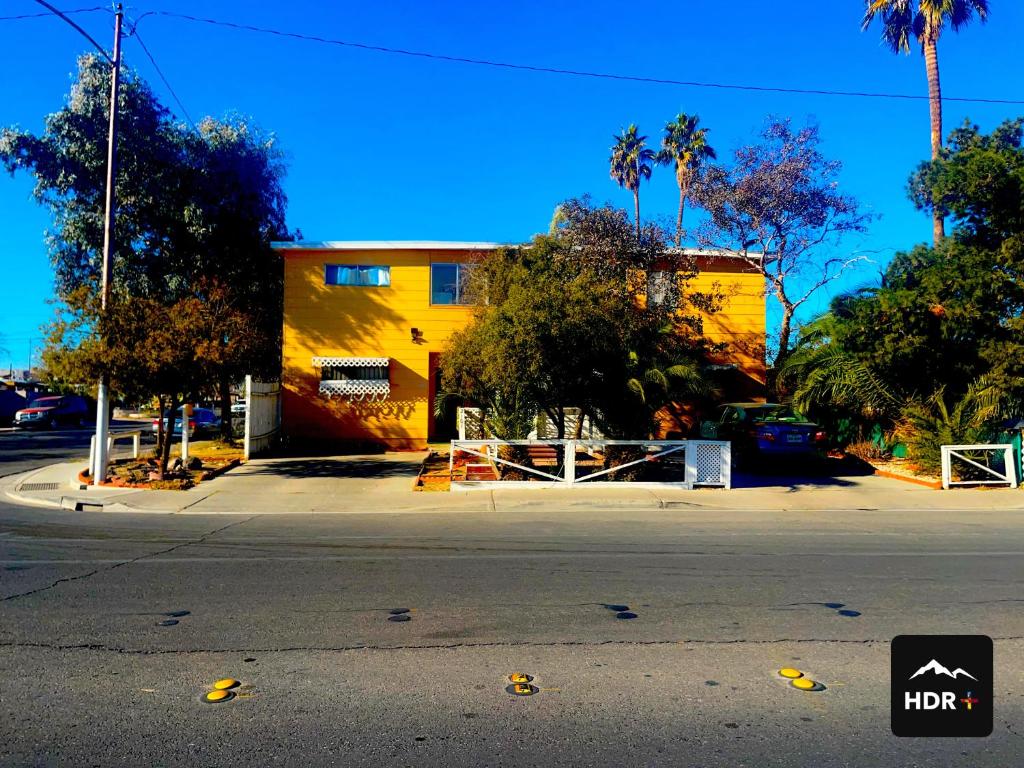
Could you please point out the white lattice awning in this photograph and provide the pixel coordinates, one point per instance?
(354, 362)
(354, 378)
(357, 389)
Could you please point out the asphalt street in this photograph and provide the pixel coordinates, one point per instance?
(298, 609)
(22, 450)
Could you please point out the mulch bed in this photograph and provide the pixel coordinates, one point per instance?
(141, 474)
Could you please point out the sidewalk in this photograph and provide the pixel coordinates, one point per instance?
(383, 484)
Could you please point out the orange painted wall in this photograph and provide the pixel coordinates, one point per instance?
(365, 321)
(740, 321)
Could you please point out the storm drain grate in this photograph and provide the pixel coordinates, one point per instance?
(39, 487)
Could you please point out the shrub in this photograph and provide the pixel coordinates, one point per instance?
(868, 450)
(617, 455)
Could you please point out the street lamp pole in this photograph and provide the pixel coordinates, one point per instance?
(100, 458)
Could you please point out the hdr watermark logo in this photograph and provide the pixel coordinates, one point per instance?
(942, 685)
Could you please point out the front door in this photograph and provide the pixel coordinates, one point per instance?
(441, 428)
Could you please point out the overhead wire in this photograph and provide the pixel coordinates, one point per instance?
(50, 13)
(59, 13)
(567, 72)
(134, 32)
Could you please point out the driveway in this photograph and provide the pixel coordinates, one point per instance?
(316, 484)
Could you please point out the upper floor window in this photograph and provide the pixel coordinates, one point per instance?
(353, 274)
(448, 283)
(661, 288)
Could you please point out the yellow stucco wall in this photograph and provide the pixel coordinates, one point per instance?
(366, 321)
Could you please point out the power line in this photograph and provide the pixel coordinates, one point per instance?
(86, 35)
(138, 37)
(50, 13)
(569, 72)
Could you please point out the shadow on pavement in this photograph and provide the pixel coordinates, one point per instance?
(820, 473)
(339, 468)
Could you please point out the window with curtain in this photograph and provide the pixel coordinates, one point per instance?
(357, 274)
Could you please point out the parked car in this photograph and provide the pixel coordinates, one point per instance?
(767, 430)
(238, 409)
(53, 411)
(202, 423)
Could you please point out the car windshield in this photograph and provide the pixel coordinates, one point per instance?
(774, 413)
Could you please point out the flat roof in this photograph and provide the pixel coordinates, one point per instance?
(383, 245)
(456, 245)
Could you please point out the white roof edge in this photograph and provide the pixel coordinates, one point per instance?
(456, 245)
(384, 245)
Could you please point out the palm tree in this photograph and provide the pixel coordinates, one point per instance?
(925, 20)
(630, 163)
(684, 145)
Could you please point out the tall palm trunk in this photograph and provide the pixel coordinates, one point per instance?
(679, 218)
(684, 190)
(636, 209)
(931, 59)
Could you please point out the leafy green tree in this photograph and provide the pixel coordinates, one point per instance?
(238, 208)
(779, 206)
(979, 181)
(560, 324)
(936, 351)
(684, 146)
(631, 162)
(925, 20)
(195, 209)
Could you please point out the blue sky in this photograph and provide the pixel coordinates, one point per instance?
(390, 147)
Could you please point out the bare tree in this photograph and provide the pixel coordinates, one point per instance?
(779, 206)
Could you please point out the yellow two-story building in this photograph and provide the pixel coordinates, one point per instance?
(365, 323)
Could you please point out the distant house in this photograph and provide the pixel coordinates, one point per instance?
(365, 324)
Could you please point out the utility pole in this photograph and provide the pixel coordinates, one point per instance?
(100, 457)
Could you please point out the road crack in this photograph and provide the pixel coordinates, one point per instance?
(90, 574)
(442, 646)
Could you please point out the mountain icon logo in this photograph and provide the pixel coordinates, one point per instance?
(937, 669)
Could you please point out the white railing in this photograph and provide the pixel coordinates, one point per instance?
(583, 463)
(134, 434)
(989, 475)
(262, 415)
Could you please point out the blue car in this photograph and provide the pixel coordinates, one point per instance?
(204, 423)
(768, 431)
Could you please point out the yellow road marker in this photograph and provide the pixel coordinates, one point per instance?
(519, 677)
(226, 684)
(215, 696)
(804, 684)
(791, 673)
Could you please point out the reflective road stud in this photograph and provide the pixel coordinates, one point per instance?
(804, 684)
(215, 697)
(226, 684)
(790, 673)
(519, 677)
(522, 689)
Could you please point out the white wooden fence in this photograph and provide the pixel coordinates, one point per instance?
(973, 455)
(700, 463)
(262, 415)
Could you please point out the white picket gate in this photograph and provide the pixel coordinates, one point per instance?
(262, 415)
(950, 453)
